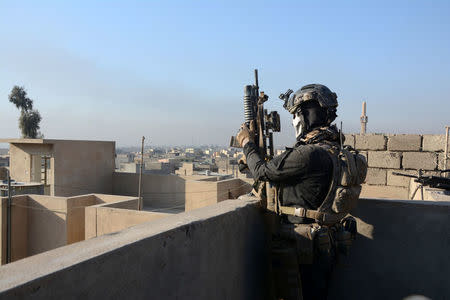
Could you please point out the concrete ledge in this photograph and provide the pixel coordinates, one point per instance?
(178, 257)
(384, 191)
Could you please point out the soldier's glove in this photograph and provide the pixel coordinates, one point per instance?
(246, 134)
(242, 160)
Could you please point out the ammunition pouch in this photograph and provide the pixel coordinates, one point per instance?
(313, 241)
(322, 243)
(345, 234)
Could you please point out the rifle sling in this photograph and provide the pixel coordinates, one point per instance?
(321, 217)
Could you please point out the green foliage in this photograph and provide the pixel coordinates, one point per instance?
(29, 119)
(19, 97)
(29, 123)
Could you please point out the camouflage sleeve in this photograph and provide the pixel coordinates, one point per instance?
(292, 163)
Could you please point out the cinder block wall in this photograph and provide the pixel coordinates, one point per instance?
(405, 153)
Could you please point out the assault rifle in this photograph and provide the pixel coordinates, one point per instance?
(265, 123)
(428, 180)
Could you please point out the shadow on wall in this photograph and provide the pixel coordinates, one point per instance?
(401, 250)
(159, 191)
(37, 224)
(42, 223)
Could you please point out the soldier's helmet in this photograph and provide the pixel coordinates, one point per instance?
(318, 92)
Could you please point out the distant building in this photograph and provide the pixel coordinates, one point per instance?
(124, 158)
(156, 167)
(66, 167)
(130, 167)
(187, 169)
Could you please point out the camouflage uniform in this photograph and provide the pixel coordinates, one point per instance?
(302, 175)
(317, 182)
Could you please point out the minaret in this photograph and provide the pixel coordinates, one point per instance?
(363, 118)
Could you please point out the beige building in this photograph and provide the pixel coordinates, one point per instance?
(67, 167)
(41, 223)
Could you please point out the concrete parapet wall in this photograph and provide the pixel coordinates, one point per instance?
(162, 191)
(220, 252)
(403, 153)
(19, 225)
(401, 249)
(105, 220)
(204, 193)
(41, 223)
(216, 252)
(38, 224)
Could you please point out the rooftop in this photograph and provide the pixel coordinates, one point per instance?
(45, 141)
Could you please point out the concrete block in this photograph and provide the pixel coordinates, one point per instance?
(404, 142)
(383, 159)
(395, 180)
(384, 191)
(349, 140)
(433, 142)
(419, 160)
(370, 142)
(376, 176)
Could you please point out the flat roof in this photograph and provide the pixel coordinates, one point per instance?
(46, 141)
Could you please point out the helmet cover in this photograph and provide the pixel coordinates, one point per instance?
(318, 92)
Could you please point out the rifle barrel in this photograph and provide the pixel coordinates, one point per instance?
(406, 175)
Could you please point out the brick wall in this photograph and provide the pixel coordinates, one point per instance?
(405, 153)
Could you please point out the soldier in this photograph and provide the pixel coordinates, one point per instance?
(306, 180)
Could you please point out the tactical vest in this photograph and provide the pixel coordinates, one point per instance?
(349, 172)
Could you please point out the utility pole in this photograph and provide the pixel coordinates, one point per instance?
(363, 118)
(447, 128)
(8, 222)
(140, 175)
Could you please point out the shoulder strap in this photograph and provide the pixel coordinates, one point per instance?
(328, 201)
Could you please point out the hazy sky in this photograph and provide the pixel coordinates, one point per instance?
(174, 71)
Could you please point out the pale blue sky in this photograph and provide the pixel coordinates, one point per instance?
(174, 71)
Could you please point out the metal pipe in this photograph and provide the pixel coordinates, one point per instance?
(140, 175)
(446, 147)
(8, 222)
